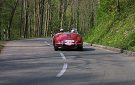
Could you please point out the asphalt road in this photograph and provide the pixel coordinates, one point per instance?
(34, 62)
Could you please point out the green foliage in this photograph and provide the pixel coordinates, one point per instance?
(107, 5)
(113, 28)
(1, 46)
(6, 8)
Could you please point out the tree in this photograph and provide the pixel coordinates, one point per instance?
(11, 18)
(118, 5)
(48, 17)
(92, 14)
(26, 6)
(35, 18)
(21, 18)
(71, 14)
(0, 17)
(41, 17)
(99, 2)
(77, 22)
(63, 14)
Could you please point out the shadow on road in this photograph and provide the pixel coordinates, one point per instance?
(26, 46)
(84, 49)
(89, 49)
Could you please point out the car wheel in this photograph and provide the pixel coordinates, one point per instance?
(55, 48)
(80, 48)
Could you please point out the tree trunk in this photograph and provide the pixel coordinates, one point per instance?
(77, 22)
(60, 9)
(0, 20)
(41, 17)
(118, 5)
(71, 14)
(11, 18)
(48, 18)
(21, 19)
(35, 17)
(92, 14)
(29, 25)
(45, 17)
(31, 33)
(26, 19)
(99, 3)
(0, 29)
(63, 17)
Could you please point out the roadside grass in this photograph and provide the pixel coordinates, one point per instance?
(1, 45)
(114, 30)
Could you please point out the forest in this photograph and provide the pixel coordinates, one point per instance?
(106, 22)
(38, 18)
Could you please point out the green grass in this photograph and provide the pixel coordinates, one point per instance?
(1, 46)
(115, 30)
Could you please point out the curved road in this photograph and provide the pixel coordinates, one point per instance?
(34, 62)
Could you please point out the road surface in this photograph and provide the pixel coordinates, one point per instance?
(34, 62)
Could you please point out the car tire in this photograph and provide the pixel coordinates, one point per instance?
(55, 48)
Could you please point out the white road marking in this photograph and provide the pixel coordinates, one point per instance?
(63, 70)
(64, 66)
(47, 43)
(63, 56)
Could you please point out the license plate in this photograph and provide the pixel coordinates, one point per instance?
(69, 41)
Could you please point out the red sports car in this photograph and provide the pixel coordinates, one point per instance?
(67, 40)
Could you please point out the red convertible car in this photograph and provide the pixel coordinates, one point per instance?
(67, 40)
